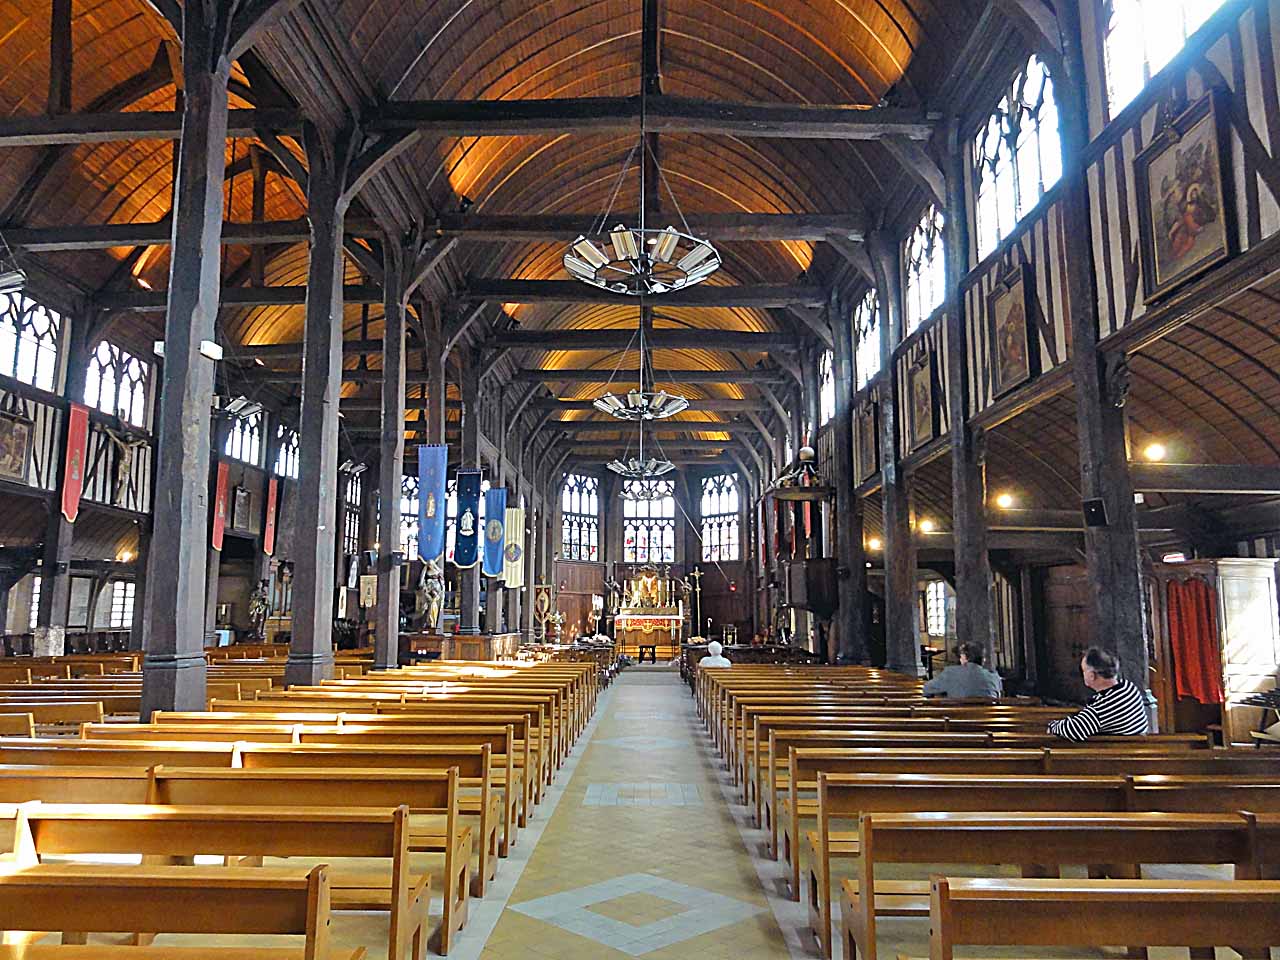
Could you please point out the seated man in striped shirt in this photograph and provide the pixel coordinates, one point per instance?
(1117, 707)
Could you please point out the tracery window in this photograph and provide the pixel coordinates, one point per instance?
(244, 438)
(409, 517)
(351, 520)
(826, 387)
(1017, 156)
(29, 341)
(925, 269)
(122, 592)
(1141, 37)
(720, 518)
(287, 458)
(649, 525)
(580, 518)
(866, 339)
(116, 383)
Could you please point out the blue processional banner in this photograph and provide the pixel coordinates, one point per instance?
(495, 511)
(433, 471)
(466, 543)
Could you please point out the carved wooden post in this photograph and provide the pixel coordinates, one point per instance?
(469, 580)
(852, 620)
(1116, 609)
(311, 647)
(386, 638)
(902, 623)
(968, 467)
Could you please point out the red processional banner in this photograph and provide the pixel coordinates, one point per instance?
(219, 508)
(269, 527)
(77, 448)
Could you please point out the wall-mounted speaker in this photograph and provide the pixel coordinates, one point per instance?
(1095, 513)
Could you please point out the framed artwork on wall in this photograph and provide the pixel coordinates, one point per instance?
(15, 447)
(868, 441)
(922, 424)
(1184, 216)
(1015, 348)
(240, 518)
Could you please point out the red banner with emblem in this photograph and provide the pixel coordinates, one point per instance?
(77, 448)
(269, 527)
(219, 508)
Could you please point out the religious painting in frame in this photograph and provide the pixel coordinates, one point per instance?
(868, 445)
(1014, 345)
(1185, 219)
(15, 447)
(922, 423)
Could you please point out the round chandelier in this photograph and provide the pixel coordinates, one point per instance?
(635, 468)
(638, 260)
(641, 405)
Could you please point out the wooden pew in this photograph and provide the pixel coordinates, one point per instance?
(1046, 840)
(17, 725)
(58, 751)
(431, 796)
(174, 832)
(1132, 913)
(193, 900)
(74, 784)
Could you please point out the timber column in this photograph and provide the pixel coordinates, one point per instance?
(469, 579)
(386, 631)
(968, 450)
(311, 646)
(852, 619)
(1116, 608)
(901, 623)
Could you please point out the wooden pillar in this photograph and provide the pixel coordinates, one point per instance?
(141, 578)
(311, 648)
(902, 623)
(174, 666)
(974, 585)
(852, 618)
(469, 579)
(1117, 612)
(532, 510)
(386, 636)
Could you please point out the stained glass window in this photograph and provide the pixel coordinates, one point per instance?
(116, 383)
(648, 524)
(925, 268)
(29, 341)
(1017, 156)
(409, 517)
(720, 518)
(351, 522)
(580, 518)
(866, 339)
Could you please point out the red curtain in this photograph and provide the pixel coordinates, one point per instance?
(1193, 635)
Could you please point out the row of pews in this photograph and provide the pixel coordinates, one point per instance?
(367, 793)
(850, 769)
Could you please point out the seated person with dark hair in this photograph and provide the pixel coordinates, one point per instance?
(1116, 709)
(969, 679)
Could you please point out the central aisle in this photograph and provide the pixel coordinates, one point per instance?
(642, 856)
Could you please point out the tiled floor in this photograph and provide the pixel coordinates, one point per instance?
(641, 858)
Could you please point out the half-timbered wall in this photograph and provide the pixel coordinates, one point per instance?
(922, 363)
(1234, 55)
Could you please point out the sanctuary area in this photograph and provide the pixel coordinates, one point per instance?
(590, 479)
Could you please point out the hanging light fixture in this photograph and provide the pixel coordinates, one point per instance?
(641, 260)
(641, 403)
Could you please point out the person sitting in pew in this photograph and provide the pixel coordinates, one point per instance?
(713, 657)
(969, 679)
(1117, 707)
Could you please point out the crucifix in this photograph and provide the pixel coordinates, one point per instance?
(696, 576)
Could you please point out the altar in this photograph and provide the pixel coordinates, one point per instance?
(652, 614)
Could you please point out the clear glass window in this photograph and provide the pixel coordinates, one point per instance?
(1141, 37)
(925, 269)
(29, 341)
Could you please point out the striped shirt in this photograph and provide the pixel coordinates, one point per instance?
(1117, 711)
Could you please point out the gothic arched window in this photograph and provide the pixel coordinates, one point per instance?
(720, 518)
(649, 521)
(580, 518)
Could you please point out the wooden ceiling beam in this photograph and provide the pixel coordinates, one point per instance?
(104, 236)
(666, 426)
(74, 128)
(505, 227)
(1204, 478)
(571, 339)
(365, 405)
(757, 296)
(754, 375)
(154, 301)
(661, 114)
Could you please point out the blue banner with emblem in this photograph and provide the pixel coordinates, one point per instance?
(495, 523)
(433, 471)
(466, 543)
